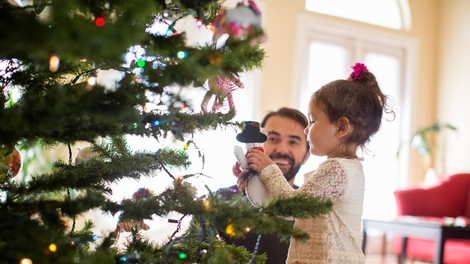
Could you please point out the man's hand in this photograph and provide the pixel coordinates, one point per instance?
(243, 173)
(243, 178)
(236, 169)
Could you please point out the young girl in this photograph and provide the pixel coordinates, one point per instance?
(343, 115)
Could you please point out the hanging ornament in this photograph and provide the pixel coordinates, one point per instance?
(241, 22)
(222, 88)
(253, 138)
(142, 193)
(127, 226)
(100, 21)
(230, 230)
(37, 5)
(11, 159)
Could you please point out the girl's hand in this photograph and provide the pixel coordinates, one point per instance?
(257, 160)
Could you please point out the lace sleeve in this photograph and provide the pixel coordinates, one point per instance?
(275, 181)
(327, 181)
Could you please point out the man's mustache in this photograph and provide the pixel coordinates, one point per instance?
(282, 156)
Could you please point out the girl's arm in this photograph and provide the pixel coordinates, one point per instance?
(275, 181)
(269, 173)
(328, 179)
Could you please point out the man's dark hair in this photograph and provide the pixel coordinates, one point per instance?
(287, 112)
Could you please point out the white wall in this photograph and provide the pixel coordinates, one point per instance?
(454, 81)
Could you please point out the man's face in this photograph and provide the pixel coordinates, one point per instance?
(286, 144)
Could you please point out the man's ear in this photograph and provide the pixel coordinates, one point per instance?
(344, 127)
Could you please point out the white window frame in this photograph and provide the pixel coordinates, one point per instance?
(358, 37)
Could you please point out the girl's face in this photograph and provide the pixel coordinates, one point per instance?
(321, 133)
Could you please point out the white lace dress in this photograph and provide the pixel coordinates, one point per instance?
(335, 237)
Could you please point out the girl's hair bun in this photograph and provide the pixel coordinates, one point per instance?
(358, 69)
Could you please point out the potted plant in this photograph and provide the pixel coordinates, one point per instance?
(425, 146)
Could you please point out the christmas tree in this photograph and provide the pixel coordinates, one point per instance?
(51, 57)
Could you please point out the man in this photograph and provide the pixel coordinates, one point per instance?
(287, 146)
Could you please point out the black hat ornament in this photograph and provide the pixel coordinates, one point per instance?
(252, 133)
(252, 136)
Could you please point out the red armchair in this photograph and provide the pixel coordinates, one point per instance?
(448, 198)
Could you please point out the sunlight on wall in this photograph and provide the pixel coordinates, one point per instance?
(387, 13)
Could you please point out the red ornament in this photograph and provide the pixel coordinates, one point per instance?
(99, 22)
(13, 160)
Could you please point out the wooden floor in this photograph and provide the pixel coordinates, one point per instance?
(379, 248)
(389, 259)
(378, 259)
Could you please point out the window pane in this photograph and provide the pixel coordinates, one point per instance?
(381, 164)
(332, 48)
(327, 61)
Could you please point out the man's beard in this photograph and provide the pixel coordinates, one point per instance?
(290, 174)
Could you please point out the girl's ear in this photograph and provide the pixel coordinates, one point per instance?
(344, 127)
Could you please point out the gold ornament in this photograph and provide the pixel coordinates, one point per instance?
(230, 230)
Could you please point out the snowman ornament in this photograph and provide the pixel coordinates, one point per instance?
(252, 136)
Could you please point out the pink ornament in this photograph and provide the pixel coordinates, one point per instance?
(241, 22)
(222, 87)
(142, 193)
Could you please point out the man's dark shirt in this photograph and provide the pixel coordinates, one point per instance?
(270, 244)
